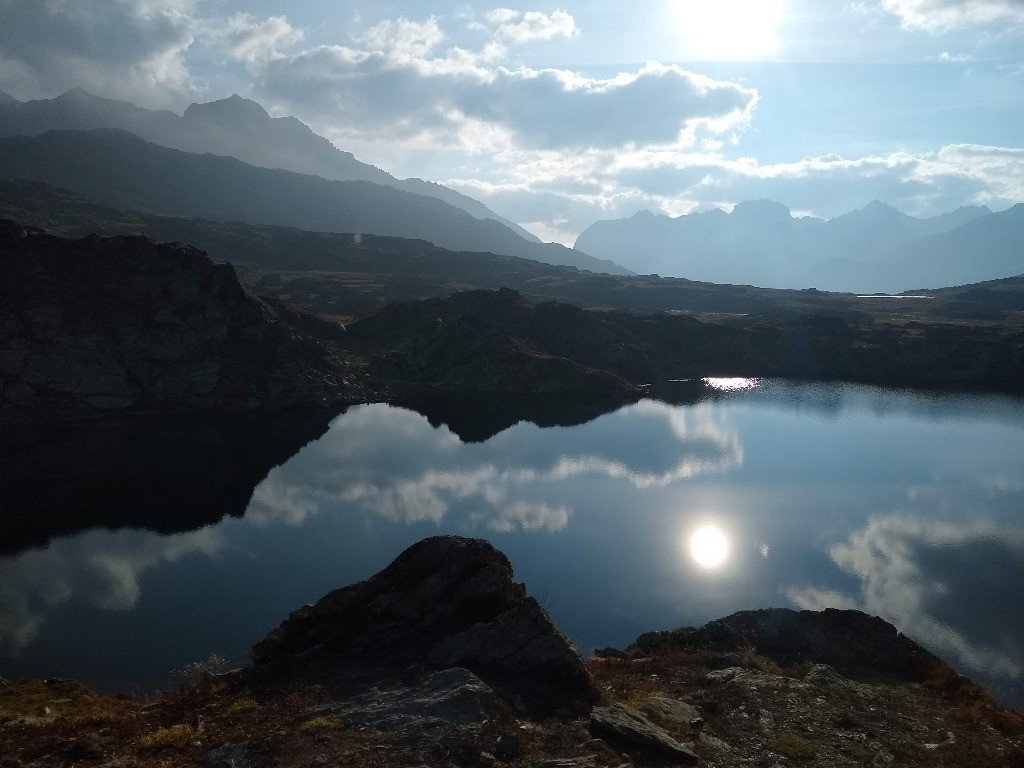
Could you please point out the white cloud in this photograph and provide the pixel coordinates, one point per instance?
(941, 583)
(403, 39)
(132, 49)
(363, 460)
(522, 515)
(101, 568)
(502, 16)
(534, 25)
(250, 39)
(945, 15)
(398, 83)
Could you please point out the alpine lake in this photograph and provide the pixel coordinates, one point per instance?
(132, 547)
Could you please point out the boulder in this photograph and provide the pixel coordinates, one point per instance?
(672, 714)
(853, 643)
(633, 728)
(451, 697)
(446, 601)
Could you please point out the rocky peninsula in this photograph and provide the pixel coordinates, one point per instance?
(442, 659)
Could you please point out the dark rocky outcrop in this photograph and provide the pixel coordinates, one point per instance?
(123, 324)
(856, 644)
(444, 602)
(487, 342)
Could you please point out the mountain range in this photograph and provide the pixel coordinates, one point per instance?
(118, 169)
(252, 168)
(233, 126)
(871, 250)
(229, 160)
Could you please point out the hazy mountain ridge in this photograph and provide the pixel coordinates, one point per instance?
(874, 249)
(234, 126)
(118, 169)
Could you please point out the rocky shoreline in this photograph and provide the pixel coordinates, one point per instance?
(441, 659)
(125, 325)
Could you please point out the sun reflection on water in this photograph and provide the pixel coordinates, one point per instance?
(734, 384)
(709, 546)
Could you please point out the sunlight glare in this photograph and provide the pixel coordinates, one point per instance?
(709, 546)
(731, 384)
(728, 28)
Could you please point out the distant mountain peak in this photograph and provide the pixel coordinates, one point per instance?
(233, 107)
(877, 206)
(79, 94)
(765, 211)
(6, 98)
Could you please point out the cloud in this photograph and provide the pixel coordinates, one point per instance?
(101, 568)
(131, 49)
(532, 25)
(365, 461)
(946, 15)
(250, 39)
(403, 40)
(398, 82)
(578, 188)
(525, 516)
(952, 587)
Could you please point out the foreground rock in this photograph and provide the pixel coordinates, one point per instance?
(444, 602)
(856, 644)
(625, 723)
(452, 697)
(123, 324)
(356, 688)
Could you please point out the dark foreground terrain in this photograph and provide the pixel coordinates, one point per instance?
(443, 660)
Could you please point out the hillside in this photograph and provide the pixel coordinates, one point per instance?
(235, 127)
(118, 169)
(333, 274)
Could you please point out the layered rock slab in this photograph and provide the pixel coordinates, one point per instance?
(856, 644)
(445, 602)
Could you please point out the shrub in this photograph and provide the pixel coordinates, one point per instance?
(788, 744)
(318, 723)
(241, 705)
(175, 736)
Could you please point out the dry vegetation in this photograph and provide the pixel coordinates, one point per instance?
(768, 716)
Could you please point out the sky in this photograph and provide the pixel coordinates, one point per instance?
(558, 115)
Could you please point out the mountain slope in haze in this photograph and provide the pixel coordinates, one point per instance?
(760, 243)
(118, 169)
(987, 248)
(339, 274)
(235, 126)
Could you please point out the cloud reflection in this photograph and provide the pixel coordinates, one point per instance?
(392, 462)
(100, 568)
(956, 588)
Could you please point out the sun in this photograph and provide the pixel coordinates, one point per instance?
(709, 546)
(723, 29)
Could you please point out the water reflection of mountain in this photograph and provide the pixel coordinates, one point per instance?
(166, 475)
(476, 420)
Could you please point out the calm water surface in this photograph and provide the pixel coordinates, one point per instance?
(905, 505)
